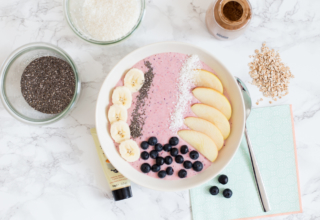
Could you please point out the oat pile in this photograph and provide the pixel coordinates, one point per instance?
(269, 73)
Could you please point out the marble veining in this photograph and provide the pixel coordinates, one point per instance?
(53, 172)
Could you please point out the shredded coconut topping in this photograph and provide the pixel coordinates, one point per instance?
(186, 82)
(110, 19)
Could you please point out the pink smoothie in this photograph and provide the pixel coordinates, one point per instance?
(159, 103)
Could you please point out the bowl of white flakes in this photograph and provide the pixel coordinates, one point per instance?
(104, 22)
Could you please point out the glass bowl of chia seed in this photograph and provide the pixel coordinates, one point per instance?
(39, 84)
(104, 22)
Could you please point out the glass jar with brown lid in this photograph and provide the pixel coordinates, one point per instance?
(228, 19)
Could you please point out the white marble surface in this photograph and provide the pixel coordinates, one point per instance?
(53, 172)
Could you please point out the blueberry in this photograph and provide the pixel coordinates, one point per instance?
(155, 168)
(159, 161)
(223, 179)
(153, 154)
(174, 152)
(158, 147)
(144, 155)
(167, 147)
(182, 173)
(194, 155)
(168, 160)
(169, 171)
(214, 190)
(152, 141)
(179, 159)
(145, 168)
(197, 166)
(162, 174)
(187, 164)
(184, 149)
(144, 145)
(227, 193)
(174, 141)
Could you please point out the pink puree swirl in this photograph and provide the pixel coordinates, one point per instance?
(159, 105)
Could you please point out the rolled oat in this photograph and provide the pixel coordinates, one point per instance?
(269, 73)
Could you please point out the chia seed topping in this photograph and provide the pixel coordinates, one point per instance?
(138, 116)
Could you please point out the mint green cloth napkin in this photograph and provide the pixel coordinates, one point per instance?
(272, 137)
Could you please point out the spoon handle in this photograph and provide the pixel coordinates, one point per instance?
(262, 192)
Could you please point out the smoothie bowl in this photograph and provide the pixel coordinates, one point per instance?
(170, 116)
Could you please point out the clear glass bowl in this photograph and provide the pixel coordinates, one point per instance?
(73, 14)
(10, 89)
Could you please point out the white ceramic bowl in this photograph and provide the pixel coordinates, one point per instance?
(225, 155)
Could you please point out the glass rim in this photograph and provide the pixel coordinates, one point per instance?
(243, 27)
(4, 71)
(98, 42)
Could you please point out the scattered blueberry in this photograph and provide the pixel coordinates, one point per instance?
(144, 155)
(145, 168)
(167, 147)
(187, 164)
(168, 160)
(153, 154)
(223, 179)
(197, 166)
(174, 141)
(159, 161)
(214, 190)
(155, 168)
(179, 159)
(174, 152)
(194, 155)
(182, 173)
(227, 193)
(152, 141)
(184, 149)
(158, 147)
(162, 174)
(144, 145)
(169, 171)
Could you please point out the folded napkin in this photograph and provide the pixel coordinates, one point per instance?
(272, 135)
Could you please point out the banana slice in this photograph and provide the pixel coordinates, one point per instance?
(120, 131)
(122, 96)
(129, 150)
(117, 113)
(134, 80)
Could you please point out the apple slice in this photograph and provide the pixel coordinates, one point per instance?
(213, 98)
(207, 79)
(214, 116)
(209, 129)
(201, 143)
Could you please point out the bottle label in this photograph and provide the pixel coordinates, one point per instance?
(115, 178)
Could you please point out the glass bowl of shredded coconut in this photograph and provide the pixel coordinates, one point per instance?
(104, 22)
